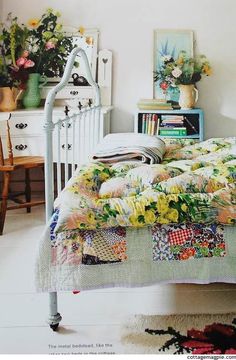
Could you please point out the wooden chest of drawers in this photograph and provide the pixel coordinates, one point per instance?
(27, 133)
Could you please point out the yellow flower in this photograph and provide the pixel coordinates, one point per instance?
(162, 205)
(173, 215)
(162, 220)
(104, 176)
(149, 217)
(81, 30)
(33, 23)
(172, 197)
(91, 219)
(134, 221)
(180, 60)
(176, 189)
(207, 69)
(184, 207)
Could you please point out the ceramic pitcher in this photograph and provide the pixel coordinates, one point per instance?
(32, 95)
(188, 96)
(8, 98)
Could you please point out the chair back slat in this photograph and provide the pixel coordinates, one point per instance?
(1, 153)
(9, 143)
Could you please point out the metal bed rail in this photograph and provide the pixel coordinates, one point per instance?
(73, 137)
(79, 132)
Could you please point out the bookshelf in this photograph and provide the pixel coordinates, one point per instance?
(182, 124)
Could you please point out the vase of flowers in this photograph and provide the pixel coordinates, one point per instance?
(41, 47)
(183, 73)
(32, 96)
(188, 96)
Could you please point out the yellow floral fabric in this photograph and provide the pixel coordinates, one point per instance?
(194, 184)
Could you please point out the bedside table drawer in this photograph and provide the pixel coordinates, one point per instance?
(23, 125)
(25, 146)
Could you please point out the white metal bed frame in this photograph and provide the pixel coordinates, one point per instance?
(80, 120)
(88, 118)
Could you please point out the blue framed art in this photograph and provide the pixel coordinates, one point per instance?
(170, 42)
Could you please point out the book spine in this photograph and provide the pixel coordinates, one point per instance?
(170, 132)
(149, 124)
(143, 123)
(157, 127)
(154, 119)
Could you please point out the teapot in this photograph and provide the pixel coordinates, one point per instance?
(79, 80)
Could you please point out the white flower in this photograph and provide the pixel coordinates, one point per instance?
(166, 58)
(35, 48)
(176, 72)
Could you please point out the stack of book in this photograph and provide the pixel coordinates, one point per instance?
(153, 104)
(172, 125)
(150, 124)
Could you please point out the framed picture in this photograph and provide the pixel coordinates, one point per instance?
(89, 43)
(170, 42)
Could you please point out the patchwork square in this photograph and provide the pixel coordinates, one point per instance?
(179, 237)
(104, 246)
(89, 247)
(187, 241)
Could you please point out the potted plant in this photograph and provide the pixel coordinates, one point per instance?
(183, 72)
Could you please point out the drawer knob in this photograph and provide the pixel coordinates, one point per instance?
(69, 146)
(68, 125)
(21, 126)
(74, 92)
(21, 147)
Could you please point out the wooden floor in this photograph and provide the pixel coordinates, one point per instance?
(92, 321)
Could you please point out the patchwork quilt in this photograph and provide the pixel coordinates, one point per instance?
(194, 183)
(145, 223)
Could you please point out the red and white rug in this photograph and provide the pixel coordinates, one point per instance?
(181, 334)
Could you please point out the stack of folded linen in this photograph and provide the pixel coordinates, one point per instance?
(130, 146)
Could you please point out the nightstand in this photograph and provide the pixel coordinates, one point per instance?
(190, 126)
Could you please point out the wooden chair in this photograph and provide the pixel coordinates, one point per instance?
(7, 167)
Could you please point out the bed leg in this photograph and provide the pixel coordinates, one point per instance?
(54, 317)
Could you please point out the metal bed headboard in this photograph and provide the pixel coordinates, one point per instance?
(81, 123)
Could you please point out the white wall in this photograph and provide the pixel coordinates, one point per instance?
(126, 27)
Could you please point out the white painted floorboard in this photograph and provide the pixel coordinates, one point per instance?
(92, 320)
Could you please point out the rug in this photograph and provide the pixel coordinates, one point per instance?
(180, 334)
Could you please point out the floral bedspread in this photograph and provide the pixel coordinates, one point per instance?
(194, 184)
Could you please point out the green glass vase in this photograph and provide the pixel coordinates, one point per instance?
(32, 95)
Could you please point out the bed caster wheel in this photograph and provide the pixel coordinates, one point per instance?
(54, 327)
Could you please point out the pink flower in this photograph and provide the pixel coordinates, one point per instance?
(21, 61)
(50, 45)
(176, 72)
(25, 54)
(29, 64)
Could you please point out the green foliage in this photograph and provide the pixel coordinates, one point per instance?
(182, 71)
(42, 46)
